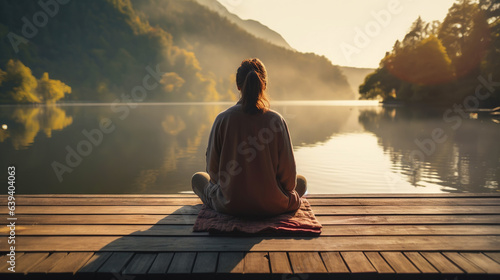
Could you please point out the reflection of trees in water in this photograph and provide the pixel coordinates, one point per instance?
(24, 124)
(468, 161)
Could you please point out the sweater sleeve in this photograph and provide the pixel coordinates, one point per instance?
(213, 152)
(287, 174)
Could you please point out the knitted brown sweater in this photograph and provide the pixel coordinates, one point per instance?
(250, 160)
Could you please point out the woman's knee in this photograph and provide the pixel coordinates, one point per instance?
(301, 186)
(199, 181)
(301, 180)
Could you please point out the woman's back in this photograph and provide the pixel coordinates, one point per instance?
(250, 157)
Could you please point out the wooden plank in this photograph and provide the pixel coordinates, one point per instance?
(161, 264)
(72, 262)
(333, 262)
(231, 243)
(403, 209)
(95, 262)
(280, 263)
(116, 262)
(4, 265)
(482, 261)
(441, 263)
(48, 263)
(494, 256)
(187, 230)
(357, 262)
(436, 229)
(139, 230)
(318, 210)
(231, 262)
(410, 219)
(306, 262)
(378, 262)
(87, 195)
(29, 260)
(405, 195)
(4, 258)
(399, 262)
(463, 263)
(420, 262)
(404, 201)
(182, 263)
(105, 219)
(190, 219)
(75, 201)
(140, 264)
(206, 262)
(256, 262)
(110, 210)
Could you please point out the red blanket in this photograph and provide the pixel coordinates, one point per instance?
(300, 221)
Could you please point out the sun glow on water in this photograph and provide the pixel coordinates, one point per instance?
(330, 167)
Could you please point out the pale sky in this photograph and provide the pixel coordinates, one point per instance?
(348, 32)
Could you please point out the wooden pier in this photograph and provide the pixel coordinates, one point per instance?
(435, 236)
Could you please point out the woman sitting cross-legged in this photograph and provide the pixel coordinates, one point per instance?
(250, 161)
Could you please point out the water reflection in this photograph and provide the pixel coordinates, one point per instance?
(312, 125)
(156, 149)
(22, 124)
(467, 161)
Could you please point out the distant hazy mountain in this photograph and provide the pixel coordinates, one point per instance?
(355, 76)
(251, 26)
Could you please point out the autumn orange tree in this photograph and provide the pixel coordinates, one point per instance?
(438, 63)
(18, 85)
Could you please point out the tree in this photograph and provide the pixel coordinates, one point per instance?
(465, 35)
(51, 90)
(380, 83)
(425, 64)
(491, 63)
(491, 11)
(18, 83)
(438, 64)
(416, 34)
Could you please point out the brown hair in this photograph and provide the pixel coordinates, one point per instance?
(251, 79)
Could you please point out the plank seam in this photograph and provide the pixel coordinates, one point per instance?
(441, 253)
(322, 261)
(345, 262)
(457, 265)
(490, 257)
(382, 256)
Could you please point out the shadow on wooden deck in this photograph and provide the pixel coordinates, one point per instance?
(123, 259)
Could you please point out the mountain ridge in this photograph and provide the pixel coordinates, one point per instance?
(251, 26)
(101, 49)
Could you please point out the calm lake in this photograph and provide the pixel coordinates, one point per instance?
(341, 147)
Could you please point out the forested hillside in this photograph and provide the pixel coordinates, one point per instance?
(442, 63)
(101, 49)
